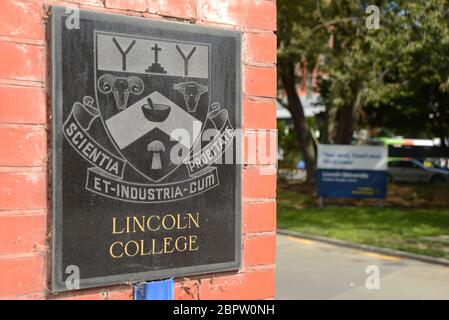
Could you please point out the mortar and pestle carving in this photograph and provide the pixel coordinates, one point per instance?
(155, 112)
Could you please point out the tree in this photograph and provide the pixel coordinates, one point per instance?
(331, 33)
(347, 66)
(409, 92)
(395, 77)
(299, 46)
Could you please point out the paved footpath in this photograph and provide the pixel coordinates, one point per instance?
(308, 269)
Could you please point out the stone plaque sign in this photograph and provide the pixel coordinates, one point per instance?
(146, 157)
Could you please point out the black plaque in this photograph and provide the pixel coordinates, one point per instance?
(145, 116)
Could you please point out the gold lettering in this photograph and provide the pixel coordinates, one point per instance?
(142, 249)
(136, 250)
(192, 241)
(154, 248)
(164, 220)
(141, 226)
(112, 248)
(195, 220)
(114, 229)
(167, 243)
(184, 243)
(149, 223)
(179, 222)
(127, 224)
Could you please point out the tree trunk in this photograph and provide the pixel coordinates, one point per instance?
(331, 125)
(302, 129)
(443, 145)
(347, 119)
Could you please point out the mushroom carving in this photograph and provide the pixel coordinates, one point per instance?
(155, 149)
(120, 87)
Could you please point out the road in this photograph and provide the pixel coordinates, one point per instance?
(308, 269)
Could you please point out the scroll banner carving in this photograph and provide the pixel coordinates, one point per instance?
(218, 145)
(106, 176)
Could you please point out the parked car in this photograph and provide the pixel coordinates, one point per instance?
(412, 170)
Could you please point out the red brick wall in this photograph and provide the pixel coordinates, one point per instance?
(24, 122)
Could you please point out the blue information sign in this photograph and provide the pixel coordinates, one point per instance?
(346, 171)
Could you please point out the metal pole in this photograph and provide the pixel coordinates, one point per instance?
(321, 202)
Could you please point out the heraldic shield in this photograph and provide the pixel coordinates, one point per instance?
(153, 97)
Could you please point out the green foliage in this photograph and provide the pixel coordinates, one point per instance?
(409, 85)
(288, 142)
(298, 41)
(395, 77)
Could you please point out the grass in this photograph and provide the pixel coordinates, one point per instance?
(389, 227)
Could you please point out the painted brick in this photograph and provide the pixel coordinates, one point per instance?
(260, 81)
(260, 48)
(21, 19)
(85, 2)
(39, 295)
(119, 293)
(259, 216)
(124, 293)
(22, 61)
(260, 147)
(259, 114)
(243, 286)
(22, 105)
(259, 182)
(186, 290)
(21, 275)
(102, 295)
(22, 190)
(25, 277)
(259, 250)
(25, 146)
(185, 9)
(133, 5)
(22, 233)
(259, 14)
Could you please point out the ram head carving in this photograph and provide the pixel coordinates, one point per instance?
(121, 88)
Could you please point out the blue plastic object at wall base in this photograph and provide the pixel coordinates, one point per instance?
(156, 290)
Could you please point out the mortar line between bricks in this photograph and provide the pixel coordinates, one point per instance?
(270, 66)
(12, 124)
(259, 64)
(256, 131)
(36, 294)
(260, 32)
(260, 267)
(24, 212)
(251, 235)
(257, 268)
(26, 41)
(250, 129)
(230, 26)
(22, 125)
(250, 200)
(259, 166)
(258, 200)
(259, 99)
(19, 168)
(22, 83)
(18, 256)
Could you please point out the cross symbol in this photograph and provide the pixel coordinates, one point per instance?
(156, 50)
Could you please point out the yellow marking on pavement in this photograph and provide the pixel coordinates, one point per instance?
(378, 256)
(303, 241)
